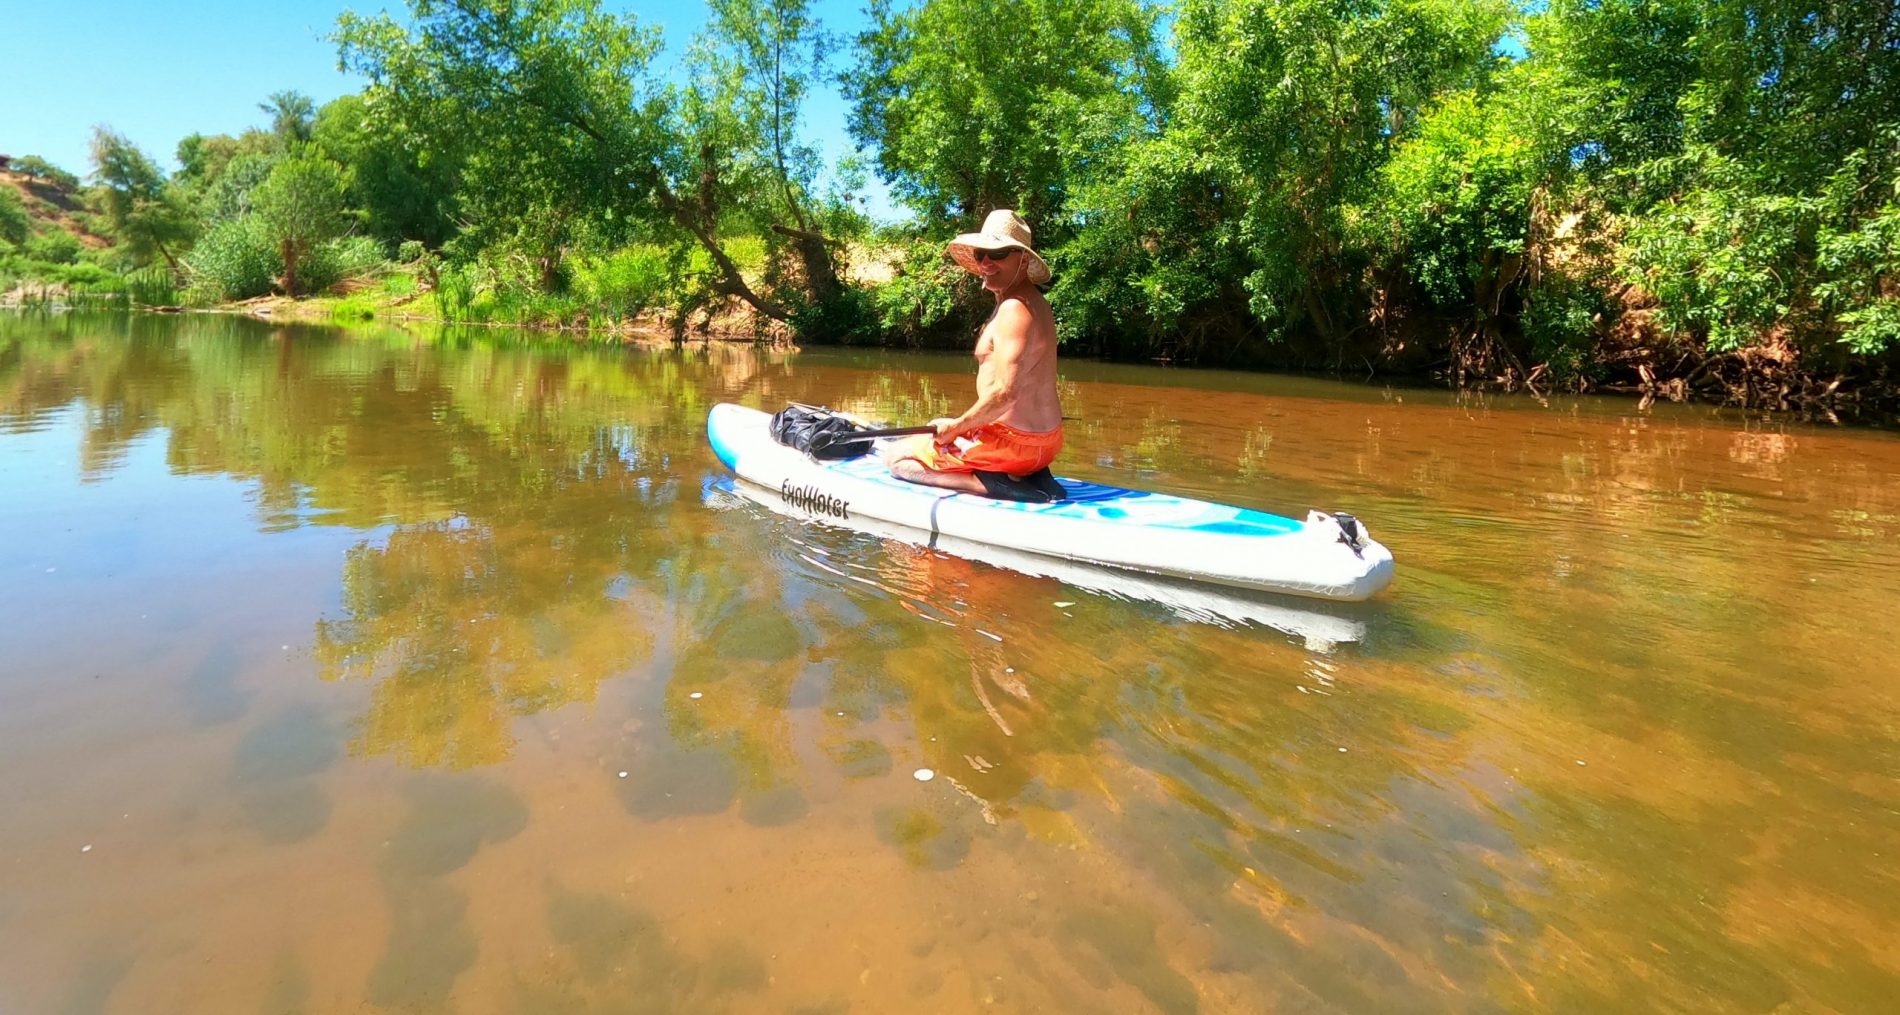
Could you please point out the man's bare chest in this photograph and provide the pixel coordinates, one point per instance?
(985, 343)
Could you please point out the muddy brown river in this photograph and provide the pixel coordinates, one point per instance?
(373, 671)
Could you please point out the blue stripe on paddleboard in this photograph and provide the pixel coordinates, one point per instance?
(1098, 502)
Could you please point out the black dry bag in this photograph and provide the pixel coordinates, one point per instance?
(817, 432)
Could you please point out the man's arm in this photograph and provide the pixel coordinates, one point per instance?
(1009, 340)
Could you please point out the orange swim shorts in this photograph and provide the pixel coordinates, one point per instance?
(993, 447)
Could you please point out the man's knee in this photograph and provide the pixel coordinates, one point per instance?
(907, 468)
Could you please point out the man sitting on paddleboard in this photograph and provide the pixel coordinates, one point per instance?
(1015, 426)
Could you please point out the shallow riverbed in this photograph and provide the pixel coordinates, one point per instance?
(359, 671)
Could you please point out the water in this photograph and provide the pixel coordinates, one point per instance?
(376, 672)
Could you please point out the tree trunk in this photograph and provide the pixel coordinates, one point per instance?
(731, 282)
(290, 268)
(821, 270)
(170, 261)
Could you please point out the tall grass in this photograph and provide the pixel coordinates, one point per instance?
(152, 287)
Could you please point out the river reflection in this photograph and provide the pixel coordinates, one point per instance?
(369, 670)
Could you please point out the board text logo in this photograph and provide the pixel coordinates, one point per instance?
(812, 499)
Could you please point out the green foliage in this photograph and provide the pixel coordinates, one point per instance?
(1723, 259)
(753, 67)
(557, 94)
(1560, 320)
(53, 246)
(1289, 111)
(297, 207)
(14, 223)
(924, 292)
(342, 259)
(1457, 198)
(1861, 263)
(455, 291)
(399, 284)
(40, 169)
(292, 116)
(401, 189)
(849, 316)
(205, 159)
(234, 260)
(351, 309)
(17, 267)
(629, 281)
(749, 253)
(140, 209)
(228, 195)
(152, 287)
(1159, 269)
(1747, 147)
(980, 104)
(1306, 181)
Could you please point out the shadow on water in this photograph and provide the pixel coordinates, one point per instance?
(274, 774)
(211, 690)
(90, 990)
(610, 952)
(450, 818)
(290, 987)
(430, 945)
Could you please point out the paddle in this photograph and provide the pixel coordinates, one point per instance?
(826, 438)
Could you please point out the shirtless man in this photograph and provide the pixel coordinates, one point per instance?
(1015, 425)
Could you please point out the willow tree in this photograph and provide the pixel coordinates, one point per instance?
(980, 104)
(1754, 150)
(143, 210)
(753, 68)
(563, 126)
(1297, 105)
(404, 192)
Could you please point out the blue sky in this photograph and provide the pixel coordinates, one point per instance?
(159, 71)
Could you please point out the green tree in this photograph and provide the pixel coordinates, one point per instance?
(14, 223)
(1749, 148)
(54, 246)
(1859, 257)
(1239, 218)
(1296, 106)
(40, 169)
(299, 206)
(404, 191)
(229, 196)
(233, 260)
(979, 104)
(571, 124)
(754, 67)
(204, 159)
(292, 117)
(141, 209)
(1453, 216)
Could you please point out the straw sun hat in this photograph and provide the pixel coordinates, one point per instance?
(1002, 230)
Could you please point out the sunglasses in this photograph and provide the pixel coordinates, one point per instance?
(993, 255)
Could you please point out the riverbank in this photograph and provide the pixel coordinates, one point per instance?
(1637, 360)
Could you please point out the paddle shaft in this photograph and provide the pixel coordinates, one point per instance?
(867, 435)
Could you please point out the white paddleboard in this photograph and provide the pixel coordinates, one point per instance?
(1108, 526)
